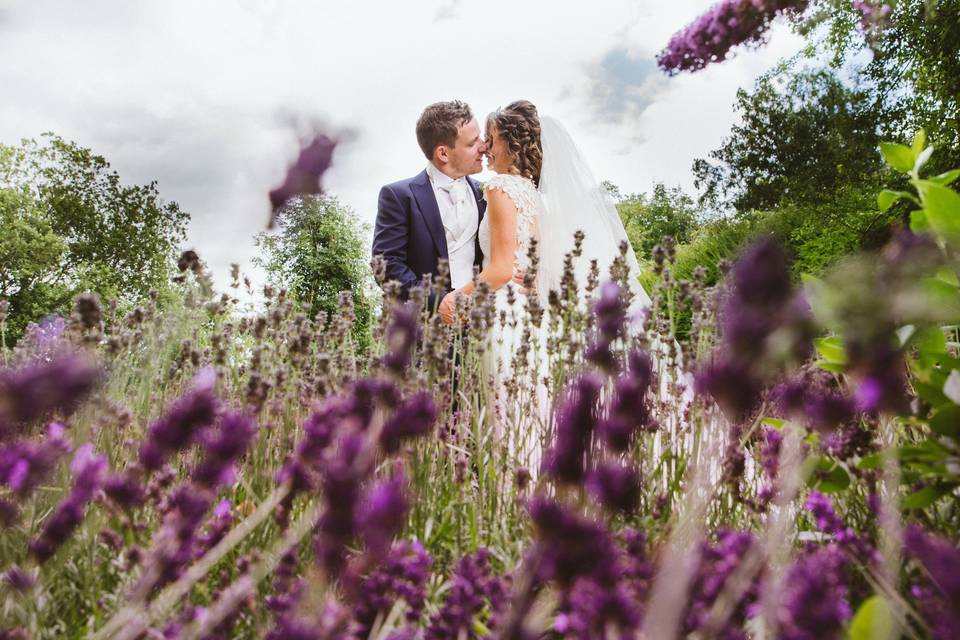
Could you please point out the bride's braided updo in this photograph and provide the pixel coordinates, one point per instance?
(518, 124)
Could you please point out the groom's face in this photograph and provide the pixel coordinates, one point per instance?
(466, 156)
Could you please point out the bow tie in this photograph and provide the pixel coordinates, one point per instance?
(458, 190)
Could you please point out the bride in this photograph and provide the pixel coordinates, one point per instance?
(544, 191)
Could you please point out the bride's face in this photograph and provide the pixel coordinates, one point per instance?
(498, 156)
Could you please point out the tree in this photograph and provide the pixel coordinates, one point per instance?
(667, 212)
(804, 136)
(914, 69)
(70, 225)
(319, 251)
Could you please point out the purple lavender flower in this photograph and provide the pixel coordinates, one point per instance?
(572, 546)
(218, 527)
(717, 563)
(402, 334)
(126, 489)
(222, 448)
(628, 409)
(575, 422)
(415, 417)
(814, 604)
(727, 24)
(733, 387)
(609, 312)
(304, 176)
(939, 590)
(383, 513)
(181, 425)
(770, 453)
(341, 485)
(474, 584)
(402, 575)
(591, 610)
(19, 579)
(24, 465)
(617, 487)
(87, 471)
(28, 393)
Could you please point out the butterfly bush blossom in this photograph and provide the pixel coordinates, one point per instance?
(725, 25)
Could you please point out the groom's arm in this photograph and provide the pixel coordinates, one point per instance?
(390, 236)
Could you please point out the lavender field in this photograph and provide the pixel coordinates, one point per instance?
(754, 455)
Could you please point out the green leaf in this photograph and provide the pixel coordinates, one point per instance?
(945, 178)
(925, 497)
(829, 476)
(831, 349)
(919, 141)
(776, 423)
(918, 221)
(946, 421)
(898, 156)
(832, 367)
(872, 461)
(942, 206)
(874, 621)
(886, 198)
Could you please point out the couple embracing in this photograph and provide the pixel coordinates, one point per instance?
(543, 191)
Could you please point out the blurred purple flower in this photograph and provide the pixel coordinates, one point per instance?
(939, 591)
(609, 312)
(402, 575)
(18, 579)
(473, 585)
(24, 465)
(815, 605)
(575, 422)
(125, 489)
(718, 561)
(616, 486)
(415, 417)
(571, 545)
(628, 410)
(30, 392)
(222, 448)
(181, 425)
(87, 471)
(733, 387)
(725, 25)
(401, 336)
(304, 176)
(383, 512)
(770, 453)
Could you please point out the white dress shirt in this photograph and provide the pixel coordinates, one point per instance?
(460, 216)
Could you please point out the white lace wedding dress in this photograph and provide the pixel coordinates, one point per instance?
(515, 368)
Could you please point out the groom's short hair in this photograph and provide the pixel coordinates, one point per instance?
(439, 124)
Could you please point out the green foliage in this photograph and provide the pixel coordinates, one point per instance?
(913, 69)
(647, 219)
(69, 225)
(319, 252)
(805, 136)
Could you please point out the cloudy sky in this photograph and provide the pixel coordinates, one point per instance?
(211, 98)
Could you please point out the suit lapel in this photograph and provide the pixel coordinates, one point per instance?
(427, 203)
(478, 194)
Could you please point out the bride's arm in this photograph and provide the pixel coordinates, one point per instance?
(503, 247)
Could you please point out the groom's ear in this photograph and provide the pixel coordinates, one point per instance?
(441, 154)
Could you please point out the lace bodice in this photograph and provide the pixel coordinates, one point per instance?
(530, 209)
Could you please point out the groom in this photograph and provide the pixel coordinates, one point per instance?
(435, 214)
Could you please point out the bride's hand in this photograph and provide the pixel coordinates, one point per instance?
(518, 278)
(447, 308)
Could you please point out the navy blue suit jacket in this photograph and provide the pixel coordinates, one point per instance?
(409, 231)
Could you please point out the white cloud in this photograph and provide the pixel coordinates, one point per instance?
(210, 98)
